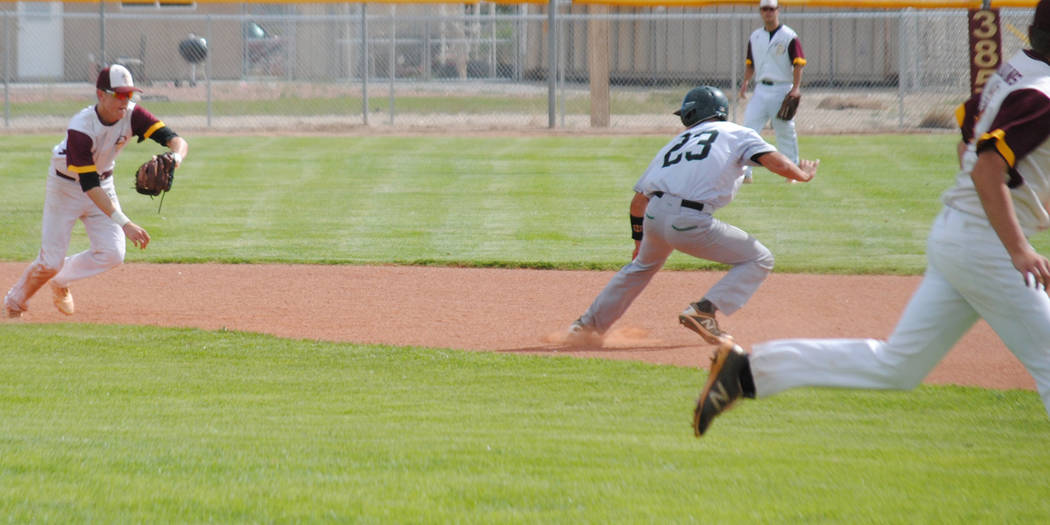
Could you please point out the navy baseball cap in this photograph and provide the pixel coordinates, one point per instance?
(115, 79)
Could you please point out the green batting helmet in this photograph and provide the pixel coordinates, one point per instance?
(703, 103)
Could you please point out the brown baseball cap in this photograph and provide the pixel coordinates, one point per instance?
(116, 79)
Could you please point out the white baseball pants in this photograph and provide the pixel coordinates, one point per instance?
(763, 107)
(668, 226)
(65, 202)
(969, 276)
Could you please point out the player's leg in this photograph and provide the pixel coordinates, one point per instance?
(985, 275)
(787, 138)
(625, 286)
(705, 237)
(62, 206)
(1026, 333)
(757, 113)
(107, 249)
(756, 116)
(934, 320)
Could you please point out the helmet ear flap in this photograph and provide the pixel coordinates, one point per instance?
(689, 117)
(1039, 39)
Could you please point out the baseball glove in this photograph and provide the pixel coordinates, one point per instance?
(156, 175)
(788, 107)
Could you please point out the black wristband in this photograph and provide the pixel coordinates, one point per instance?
(636, 228)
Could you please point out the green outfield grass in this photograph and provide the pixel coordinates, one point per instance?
(547, 202)
(145, 425)
(137, 424)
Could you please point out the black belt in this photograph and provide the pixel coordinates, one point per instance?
(101, 176)
(698, 206)
(766, 82)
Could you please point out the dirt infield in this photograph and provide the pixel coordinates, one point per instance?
(513, 311)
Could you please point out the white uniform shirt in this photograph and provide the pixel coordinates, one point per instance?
(85, 131)
(1012, 115)
(704, 163)
(774, 57)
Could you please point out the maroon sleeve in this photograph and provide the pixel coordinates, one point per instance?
(1020, 126)
(966, 115)
(78, 152)
(143, 123)
(795, 51)
(750, 59)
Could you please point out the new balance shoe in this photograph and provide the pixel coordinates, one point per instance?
(729, 379)
(704, 324)
(62, 298)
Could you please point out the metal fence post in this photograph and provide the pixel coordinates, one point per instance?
(7, 69)
(552, 61)
(734, 73)
(207, 67)
(102, 62)
(364, 63)
(393, 57)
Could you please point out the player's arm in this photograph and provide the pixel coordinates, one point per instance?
(80, 161)
(781, 165)
(798, 61)
(989, 179)
(1020, 126)
(138, 236)
(638, 204)
(749, 72)
(179, 147)
(966, 117)
(147, 126)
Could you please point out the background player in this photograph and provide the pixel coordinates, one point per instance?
(980, 263)
(691, 177)
(775, 60)
(80, 186)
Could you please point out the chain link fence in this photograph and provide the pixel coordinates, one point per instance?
(317, 67)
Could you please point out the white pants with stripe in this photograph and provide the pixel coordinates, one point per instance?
(969, 276)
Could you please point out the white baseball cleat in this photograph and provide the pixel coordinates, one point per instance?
(63, 298)
(11, 309)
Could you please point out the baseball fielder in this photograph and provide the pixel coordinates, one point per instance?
(695, 174)
(775, 59)
(980, 262)
(80, 186)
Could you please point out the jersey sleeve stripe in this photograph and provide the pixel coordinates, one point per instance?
(81, 169)
(799, 61)
(156, 125)
(999, 139)
(960, 115)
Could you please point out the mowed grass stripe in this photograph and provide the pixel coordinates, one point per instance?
(556, 202)
(130, 424)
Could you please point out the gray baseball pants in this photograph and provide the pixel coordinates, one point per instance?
(668, 226)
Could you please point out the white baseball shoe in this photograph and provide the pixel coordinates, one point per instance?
(63, 298)
(12, 310)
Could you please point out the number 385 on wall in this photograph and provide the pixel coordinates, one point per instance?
(985, 47)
